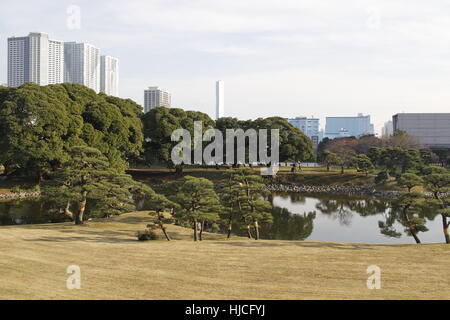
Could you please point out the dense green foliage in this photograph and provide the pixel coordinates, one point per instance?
(39, 125)
(159, 124)
(295, 146)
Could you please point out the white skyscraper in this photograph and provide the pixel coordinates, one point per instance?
(220, 99)
(155, 97)
(109, 75)
(82, 64)
(35, 58)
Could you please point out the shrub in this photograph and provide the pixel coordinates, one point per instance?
(382, 177)
(147, 235)
(20, 189)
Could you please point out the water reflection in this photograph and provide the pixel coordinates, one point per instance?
(295, 217)
(288, 226)
(349, 219)
(30, 211)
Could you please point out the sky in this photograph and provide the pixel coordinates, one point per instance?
(284, 58)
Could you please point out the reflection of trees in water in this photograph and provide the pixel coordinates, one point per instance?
(336, 209)
(294, 197)
(297, 198)
(368, 207)
(289, 226)
(343, 209)
(27, 211)
(395, 215)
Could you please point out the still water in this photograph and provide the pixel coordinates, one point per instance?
(295, 217)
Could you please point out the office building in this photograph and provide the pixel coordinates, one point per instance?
(309, 126)
(109, 75)
(35, 58)
(431, 129)
(82, 64)
(156, 97)
(337, 127)
(220, 99)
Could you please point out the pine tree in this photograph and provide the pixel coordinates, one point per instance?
(197, 200)
(157, 202)
(439, 185)
(252, 206)
(409, 181)
(409, 205)
(87, 177)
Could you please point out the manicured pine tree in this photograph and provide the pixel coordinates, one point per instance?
(157, 202)
(253, 208)
(409, 181)
(87, 176)
(232, 196)
(409, 204)
(364, 164)
(329, 158)
(197, 200)
(439, 185)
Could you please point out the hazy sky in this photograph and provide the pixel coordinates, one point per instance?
(277, 57)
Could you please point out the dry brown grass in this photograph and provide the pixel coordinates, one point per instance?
(114, 265)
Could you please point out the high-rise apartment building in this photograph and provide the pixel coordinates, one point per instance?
(82, 64)
(35, 58)
(309, 126)
(109, 75)
(220, 99)
(431, 129)
(156, 97)
(358, 126)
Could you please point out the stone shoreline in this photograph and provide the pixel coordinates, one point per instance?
(337, 190)
(20, 195)
(300, 188)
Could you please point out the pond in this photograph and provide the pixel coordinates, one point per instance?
(341, 219)
(295, 217)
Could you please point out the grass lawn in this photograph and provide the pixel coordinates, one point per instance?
(114, 265)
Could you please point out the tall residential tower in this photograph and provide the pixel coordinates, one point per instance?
(82, 64)
(109, 75)
(35, 58)
(156, 97)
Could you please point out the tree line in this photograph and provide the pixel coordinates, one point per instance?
(40, 124)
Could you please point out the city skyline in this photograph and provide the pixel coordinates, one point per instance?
(307, 58)
(39, 59)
